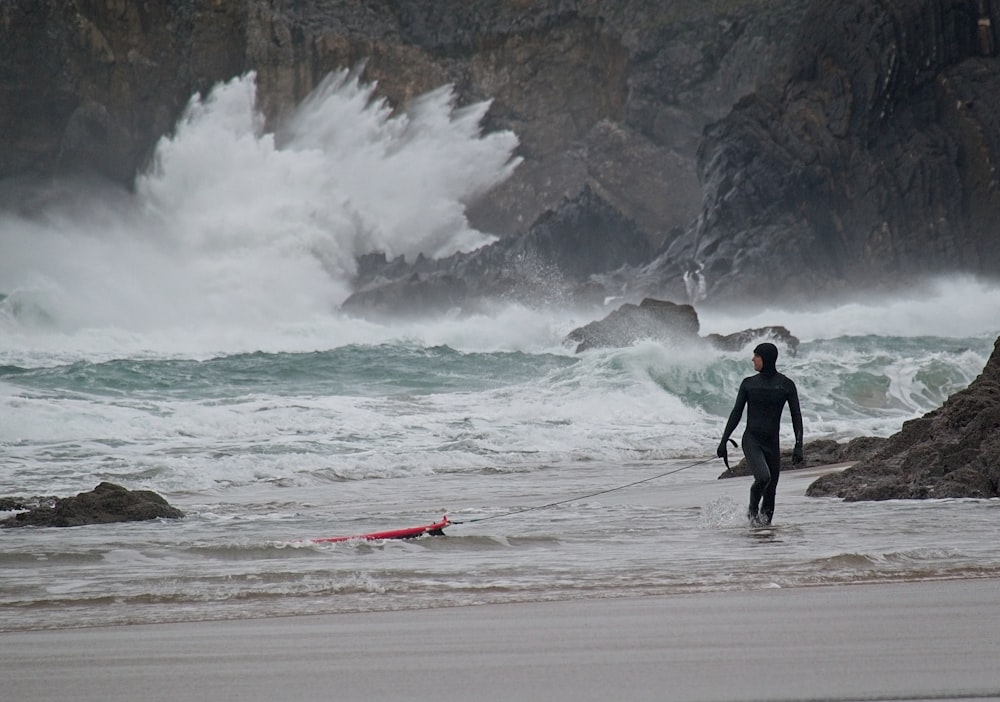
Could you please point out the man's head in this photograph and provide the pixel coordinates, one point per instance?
(767, 355)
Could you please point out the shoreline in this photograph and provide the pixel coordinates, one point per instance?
(900, 580)
(901, 640)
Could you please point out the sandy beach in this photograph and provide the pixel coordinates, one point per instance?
(903, 641)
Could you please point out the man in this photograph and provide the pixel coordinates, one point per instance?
(765, 396)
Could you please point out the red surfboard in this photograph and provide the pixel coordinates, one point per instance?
(436, 529)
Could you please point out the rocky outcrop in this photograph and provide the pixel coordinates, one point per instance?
(953, 451)
(742, 339)
(670, 323)
(106, 503)
(656, 320)
(871, 162)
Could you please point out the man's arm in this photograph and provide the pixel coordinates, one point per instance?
(796, 411)
(793, 407)
(737, 414)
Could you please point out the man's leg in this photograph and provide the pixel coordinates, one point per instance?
(757, 461)
(772, 455)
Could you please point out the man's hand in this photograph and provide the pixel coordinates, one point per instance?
(797, 454)
(721, 452)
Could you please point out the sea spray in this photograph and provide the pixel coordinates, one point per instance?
(234, 226)
(960, 305)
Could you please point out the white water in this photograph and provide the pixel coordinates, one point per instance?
(236, 228)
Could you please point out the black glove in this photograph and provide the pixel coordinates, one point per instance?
(797, 454)
(721, 452)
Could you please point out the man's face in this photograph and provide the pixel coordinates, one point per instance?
(758, 363)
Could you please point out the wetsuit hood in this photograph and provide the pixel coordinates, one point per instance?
(769, 355)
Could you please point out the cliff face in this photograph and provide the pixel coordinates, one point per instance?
(872, 163)
(92, 85)
(612, 95)
(861, 150)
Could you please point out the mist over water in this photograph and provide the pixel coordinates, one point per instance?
(949, 306)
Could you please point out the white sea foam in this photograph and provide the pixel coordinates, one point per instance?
(237, 236)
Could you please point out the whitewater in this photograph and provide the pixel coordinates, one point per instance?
(186, 338)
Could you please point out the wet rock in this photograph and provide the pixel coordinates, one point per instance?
(106, 503)
(780, 147)
(953, 451)
(667, 322)
(11, 504)
(656, 320)
(741, 339)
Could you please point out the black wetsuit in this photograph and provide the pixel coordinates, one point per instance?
(764, 395)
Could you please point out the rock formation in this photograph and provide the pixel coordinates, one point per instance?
(104, 504)
(953, 451)
(872, 163)
(550, 264)
(670, 323)
(658, 320)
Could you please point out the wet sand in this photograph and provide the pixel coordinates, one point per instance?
(904, 641)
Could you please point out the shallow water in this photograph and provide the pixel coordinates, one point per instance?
(244, 552)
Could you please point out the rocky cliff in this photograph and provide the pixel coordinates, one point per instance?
(610, 95)
(861, 148)
(874, 162)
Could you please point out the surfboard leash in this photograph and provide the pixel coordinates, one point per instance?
(585, 497)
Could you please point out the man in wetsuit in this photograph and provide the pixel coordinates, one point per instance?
(764, 395)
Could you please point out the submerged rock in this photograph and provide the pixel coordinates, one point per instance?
(106, 503)
(953, 451)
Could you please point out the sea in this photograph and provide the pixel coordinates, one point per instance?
(186, 337)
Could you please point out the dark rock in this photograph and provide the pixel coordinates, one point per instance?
(550, 264)
(953, 451)
(92, 86)
(104, 504)
(667, 322)
(10, 504)
(869, 163)
(742, 339)
(778, 147)
(656, 320)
